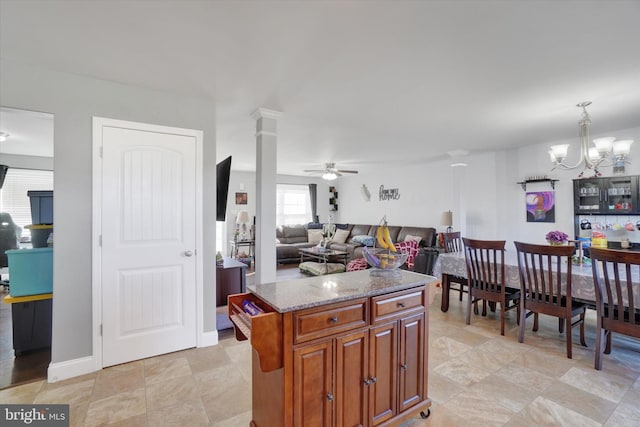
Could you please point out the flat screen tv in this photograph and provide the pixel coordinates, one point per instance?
(223, 170)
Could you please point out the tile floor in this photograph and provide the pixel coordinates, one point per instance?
(476, 378)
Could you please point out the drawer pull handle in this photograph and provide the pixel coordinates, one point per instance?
(403, 366)
(330, 397)
(401, 305)
(334, 319)
(374, 380)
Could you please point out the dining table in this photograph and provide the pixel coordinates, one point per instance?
(453, 264)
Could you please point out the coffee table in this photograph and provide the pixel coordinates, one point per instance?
(325, 257)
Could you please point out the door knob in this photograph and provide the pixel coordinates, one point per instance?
(188, 253)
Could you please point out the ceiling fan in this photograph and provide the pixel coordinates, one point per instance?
(330, 172)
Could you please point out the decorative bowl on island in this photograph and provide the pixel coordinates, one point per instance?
(384, 259)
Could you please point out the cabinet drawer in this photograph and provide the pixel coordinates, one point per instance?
(323, 321)
(398, 303)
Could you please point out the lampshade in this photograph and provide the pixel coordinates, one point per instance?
(560, 151)
(622, 148)
(242, 218)
(603, 145)
(447, 218)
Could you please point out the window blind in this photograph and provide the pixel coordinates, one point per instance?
(13, 196)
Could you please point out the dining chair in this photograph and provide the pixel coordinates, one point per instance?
(453, 243)
(545, 289)
(486, 277)
(617, 296)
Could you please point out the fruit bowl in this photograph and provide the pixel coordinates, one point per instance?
(384, 259)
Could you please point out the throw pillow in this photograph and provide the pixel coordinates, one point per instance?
(364, 240)
(314, 226)
(314, 236)
(340, 236)
(411, 238)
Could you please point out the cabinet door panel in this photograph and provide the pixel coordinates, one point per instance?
(411, 357)
(352, 369)
(383, 362)
(312, 393)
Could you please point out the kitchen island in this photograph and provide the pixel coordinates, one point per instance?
(347, 349)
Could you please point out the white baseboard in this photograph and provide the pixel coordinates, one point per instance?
(71, 368)
(208, 339)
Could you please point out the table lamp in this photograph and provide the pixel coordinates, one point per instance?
(242, 220)
(447, 219)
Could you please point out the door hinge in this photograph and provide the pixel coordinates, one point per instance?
(100, 151)
(100, 240)
(101, 329)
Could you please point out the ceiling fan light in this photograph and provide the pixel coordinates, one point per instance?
(3, 136)
(329, 176)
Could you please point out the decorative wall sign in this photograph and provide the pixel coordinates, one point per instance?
(241, 198)
(333, 198)
(388, 193)
(541, 206)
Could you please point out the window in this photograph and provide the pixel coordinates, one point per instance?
(13, 197)
(293, 204)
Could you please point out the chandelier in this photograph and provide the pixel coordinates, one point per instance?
(606, 151)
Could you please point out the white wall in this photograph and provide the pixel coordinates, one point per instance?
(486, 201)
(74, 100)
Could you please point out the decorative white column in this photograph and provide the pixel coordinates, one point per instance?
(266, 169)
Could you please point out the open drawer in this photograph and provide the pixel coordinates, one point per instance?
(264, 331)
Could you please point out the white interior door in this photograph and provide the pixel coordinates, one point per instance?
(148, 269)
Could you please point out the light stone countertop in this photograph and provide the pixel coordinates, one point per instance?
(309, 292)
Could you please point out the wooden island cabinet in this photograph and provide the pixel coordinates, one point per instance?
(347, 349)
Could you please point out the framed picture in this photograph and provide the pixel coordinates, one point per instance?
(541, 206)
(241, 198)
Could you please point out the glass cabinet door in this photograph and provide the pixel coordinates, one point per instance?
(587, 196)
(620, 195)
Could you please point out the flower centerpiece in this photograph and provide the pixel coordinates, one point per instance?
(556, 238)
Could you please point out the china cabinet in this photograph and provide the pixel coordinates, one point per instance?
(606, 196)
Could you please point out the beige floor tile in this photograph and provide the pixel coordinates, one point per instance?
(169, 392)
(209, 381)
(461, 372)
(441, 389)
(449, 346)
(78, 414)
(580, 401)
(164, 369)
(116, 408)
(549, 364)
(226, 402)
(604, 385)
(203, 359)
(75, 392)
(184, 413)
(479, 409)
(512, 396)
(242, 419)
(25, 393)
(117, 381)
(544, 412)
(139, 421)
(519, 374)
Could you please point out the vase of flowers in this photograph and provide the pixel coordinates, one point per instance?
(557, 238)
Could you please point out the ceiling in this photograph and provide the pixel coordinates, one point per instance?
(359, 83)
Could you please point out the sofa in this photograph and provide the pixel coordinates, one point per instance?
(348, 238)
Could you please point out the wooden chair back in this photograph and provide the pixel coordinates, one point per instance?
(616, 277)
(452, 242)
(485, 265)
(541, 276)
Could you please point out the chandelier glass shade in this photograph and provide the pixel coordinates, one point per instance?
(605, 151)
